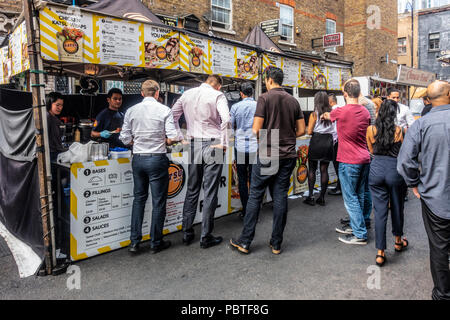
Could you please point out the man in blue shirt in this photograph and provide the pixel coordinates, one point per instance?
(108, 122)
(246, 144)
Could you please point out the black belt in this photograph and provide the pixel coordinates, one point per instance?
(149, 154)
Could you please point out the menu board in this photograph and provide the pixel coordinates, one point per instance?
(247, 64)
(67, 34)
(320, 77)
(117, 42)
(195, 54)
(306, 75)
(19, 50)
(5, 66)
(334, 78)
(346, 74)
(162, 47)
(224, 60)
(291, 69)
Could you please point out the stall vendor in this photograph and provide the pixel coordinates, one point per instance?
(108, 123)
(54, 102)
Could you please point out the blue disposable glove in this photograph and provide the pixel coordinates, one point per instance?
(105, 134)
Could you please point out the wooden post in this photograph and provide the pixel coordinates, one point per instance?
(39, 112)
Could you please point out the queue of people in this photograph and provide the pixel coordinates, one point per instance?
(374, 146)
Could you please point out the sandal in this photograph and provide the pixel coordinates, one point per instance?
(402, 244)
(380, 264)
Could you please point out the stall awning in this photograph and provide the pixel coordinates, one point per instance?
(130, 9)
(414, 77)
(258, 38)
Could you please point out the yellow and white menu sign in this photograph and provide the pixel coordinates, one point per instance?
(306, 75)
(5, 65)
(292, 71)
(247, 64)
(195, 54)
(19, 50)
(162, 47)
(334, 78)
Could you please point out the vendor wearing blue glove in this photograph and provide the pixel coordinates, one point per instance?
(108, 123)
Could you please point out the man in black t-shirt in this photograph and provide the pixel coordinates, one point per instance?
(108, 122)
(278, 122)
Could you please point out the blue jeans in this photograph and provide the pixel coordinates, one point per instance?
(279, 181)
(357, 199)
(150, 170)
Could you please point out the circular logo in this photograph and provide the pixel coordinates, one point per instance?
(70, 46)
(87, 194)
(161, 53)
(87, 220)
(247, 67)
(196, 61)
(87, 230)
(176, 180)
(302, 173)
(87, 172)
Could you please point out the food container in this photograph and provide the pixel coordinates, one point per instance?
(85, 127)
(98, 151)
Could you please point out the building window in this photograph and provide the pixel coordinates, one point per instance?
(433, 41)
(221, 14)
(287, 23)
(330, 28)
(402, 46)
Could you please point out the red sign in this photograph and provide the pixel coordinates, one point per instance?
(333, 40)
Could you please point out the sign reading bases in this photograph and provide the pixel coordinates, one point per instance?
(333, 40)
(271, 27)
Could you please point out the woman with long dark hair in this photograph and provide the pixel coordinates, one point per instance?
(320, 147)
(54, 102)
(384, 140)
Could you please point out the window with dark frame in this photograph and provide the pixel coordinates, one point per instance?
(433, 41)
(221, 14)
(402, 46)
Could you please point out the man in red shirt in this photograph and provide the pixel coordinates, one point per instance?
(354, 163)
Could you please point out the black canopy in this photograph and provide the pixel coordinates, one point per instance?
(130, 9)
(257, 37)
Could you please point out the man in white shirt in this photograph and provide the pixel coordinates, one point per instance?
(207, 115)
(404, 115)
(146, 126)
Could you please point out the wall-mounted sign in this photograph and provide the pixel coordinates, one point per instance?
(415, 77)
(271, 27)
(333, 40)
(169, 21)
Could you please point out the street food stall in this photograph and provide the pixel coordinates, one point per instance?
(95, 47)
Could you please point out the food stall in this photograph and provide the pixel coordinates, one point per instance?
(95, 47)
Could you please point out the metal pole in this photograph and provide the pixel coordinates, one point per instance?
(38, 94)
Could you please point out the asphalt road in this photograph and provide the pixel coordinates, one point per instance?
(314, 265)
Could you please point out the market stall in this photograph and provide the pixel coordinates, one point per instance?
(95, 47)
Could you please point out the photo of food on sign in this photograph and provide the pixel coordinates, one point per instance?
(320, 82)
(196, 60)
(70, 44)
(307, 81)
(247, 68)
(156, 54)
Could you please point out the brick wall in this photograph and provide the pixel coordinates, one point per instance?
(10, 6)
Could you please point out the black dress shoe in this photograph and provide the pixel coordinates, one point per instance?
(320, 201)
(162, 246)
(133, 248)
(310, 201)
(239, 246)
(210, 242)
(188, 238)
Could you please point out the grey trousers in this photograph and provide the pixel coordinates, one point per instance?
(204, 169)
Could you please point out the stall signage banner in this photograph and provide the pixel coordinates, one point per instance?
(306, 75)
(346, 74)
(415, 77)
(247, 64)
(333, 40)
(273, 60)
(195, 54)
(116, 41)
(67, 34)
(271, 27)
(19, 50)
(5, 65)
(162, 48)
(320, 77)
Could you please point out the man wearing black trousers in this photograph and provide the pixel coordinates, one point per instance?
(430, 179)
